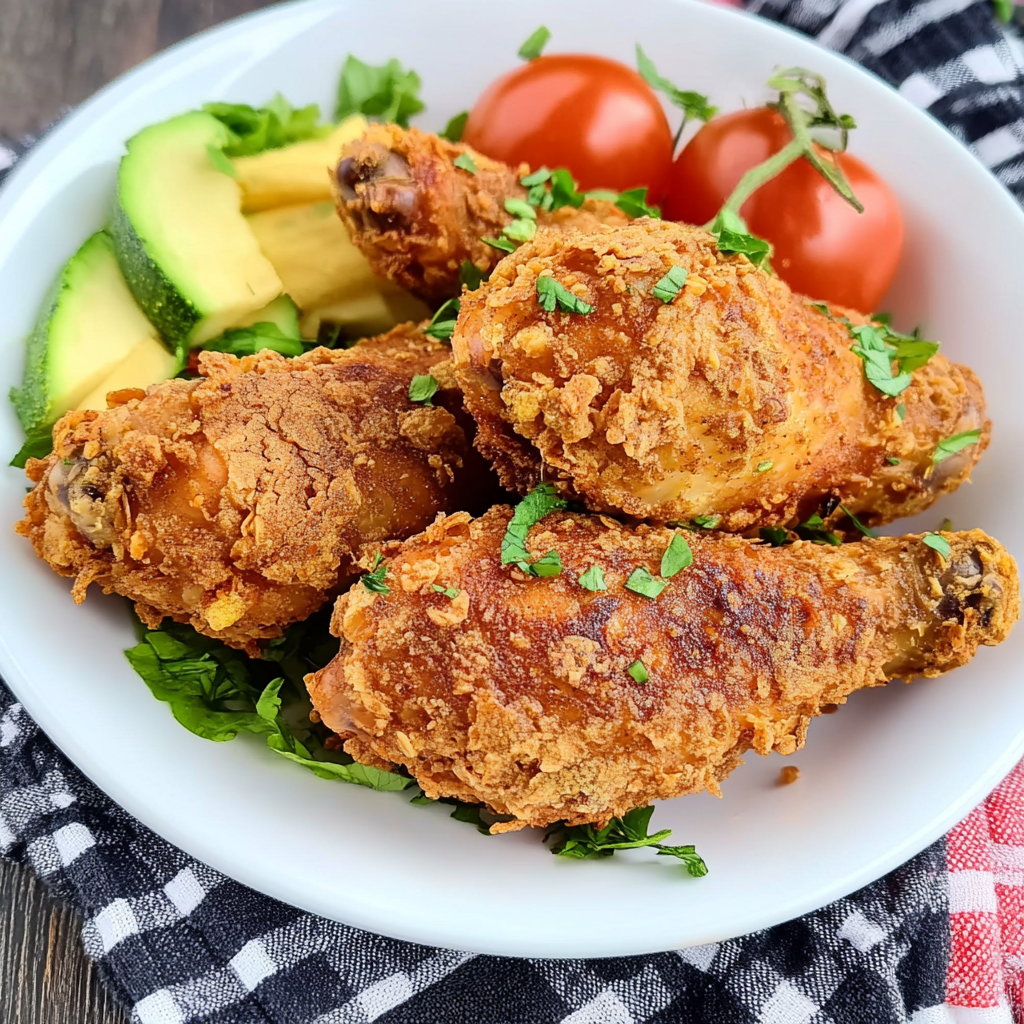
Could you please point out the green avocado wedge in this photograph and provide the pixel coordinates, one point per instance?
(88, 326)
(282, 313)
(187, 253)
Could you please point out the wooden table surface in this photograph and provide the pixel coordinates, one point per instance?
(54, 54)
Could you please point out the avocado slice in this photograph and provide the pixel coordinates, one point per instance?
(282, 313)
(187, 253)
(88, 326)
(310, 249)
(146, 364)
(294, 174)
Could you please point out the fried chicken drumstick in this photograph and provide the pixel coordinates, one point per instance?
(734, 398)
(518, 692)
(417, 217)
(234, 502)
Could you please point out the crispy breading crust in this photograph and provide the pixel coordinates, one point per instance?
(516, 694)
(737, 398)
(235, 502)
(416, 216)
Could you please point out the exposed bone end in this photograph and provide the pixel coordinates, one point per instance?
(73, 488)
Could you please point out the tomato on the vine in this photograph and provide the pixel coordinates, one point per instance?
(823, 247)
(593, 115)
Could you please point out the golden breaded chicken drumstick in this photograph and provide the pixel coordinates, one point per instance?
(417, 216)
(234, 502)
(734, 398)
(548, 701)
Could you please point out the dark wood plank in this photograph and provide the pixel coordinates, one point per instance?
(44, 976)
(181, 18)
(56, 53)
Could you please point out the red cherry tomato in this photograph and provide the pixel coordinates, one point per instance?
(823, 247)
(596, 117)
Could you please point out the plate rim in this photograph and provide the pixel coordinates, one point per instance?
(121, 792)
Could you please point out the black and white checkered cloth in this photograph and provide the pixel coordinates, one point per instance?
(178, 942)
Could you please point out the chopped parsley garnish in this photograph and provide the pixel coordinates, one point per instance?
(453, 130)
(629, 832)
(547, 565)
(957, 443)
(471, 276)
(901, 411)
(633, 203)
(643, 583)
(520, 230)
(878, 345)
(677, 557)
(892, 460)
(550, 294)
(731, 235)
(551, 190)
(520, 208)
(441, 326)
(534, 45)
(422, 388)
(450, 592)
(387, 92)
(878, 358)
(670, 285)
(530, 511)
(466, 163)
(813, 529)
(504, 244)
(638, 672)
(537, 177)
(867, 531)
(692, 104)
(374, 579)
(764, 465)
(593, 579)
(706, 522)
(776, 536)
(1004, 10)
(938, 543)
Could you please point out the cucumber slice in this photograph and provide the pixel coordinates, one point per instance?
(88, 326)
(186, 251)
(282, 313)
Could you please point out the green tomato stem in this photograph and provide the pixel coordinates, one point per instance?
(679, 134)
(762, 173)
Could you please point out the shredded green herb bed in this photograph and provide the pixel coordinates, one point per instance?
(255, 129)
(217, 692)
(386, 92)
(630, 832)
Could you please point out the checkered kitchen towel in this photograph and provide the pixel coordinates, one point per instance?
(939, 940)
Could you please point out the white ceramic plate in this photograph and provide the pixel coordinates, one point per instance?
(879, 781)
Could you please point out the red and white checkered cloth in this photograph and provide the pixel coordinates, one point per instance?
(985, 859)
